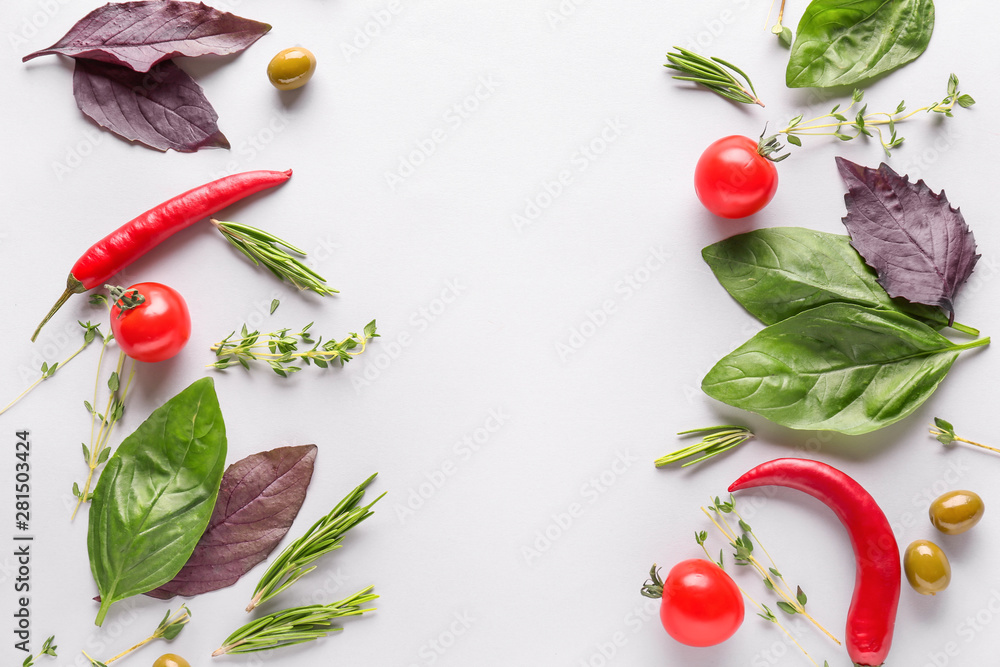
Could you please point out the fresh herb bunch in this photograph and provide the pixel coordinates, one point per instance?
(718, 439)
(323, 537)
(742, 542)
(838, 122)
(294, 626)
(47, 649)
(261, 247)
(714, 73)
(168, 629)
(280, 349)
(944, 432)
(102, 424)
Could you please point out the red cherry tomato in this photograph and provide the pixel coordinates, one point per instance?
(733, 180)
(702, 605)
(156, 329)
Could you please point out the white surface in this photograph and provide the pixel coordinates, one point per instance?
(473, 310)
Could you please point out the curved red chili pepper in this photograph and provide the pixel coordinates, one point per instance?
(872, 615)
(140, 235)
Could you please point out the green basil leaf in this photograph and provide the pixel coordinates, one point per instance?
(838, 367)
(779, 272)
(156, 495)
(842, 42)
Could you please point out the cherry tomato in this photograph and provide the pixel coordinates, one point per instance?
(156, 329)
(733, 180)
(702, 605)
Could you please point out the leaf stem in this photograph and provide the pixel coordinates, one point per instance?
(49, 371)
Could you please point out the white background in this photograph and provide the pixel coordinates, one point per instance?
(558, 76)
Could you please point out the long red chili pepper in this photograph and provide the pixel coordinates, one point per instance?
(136, 237)
(872, 615)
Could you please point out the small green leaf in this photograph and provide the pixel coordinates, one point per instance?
(76, 489)
(800, 596)
(745, 527)
(274, 305)
(785, 36)
(113, 382)
(787, 608)
(775, 572)
(104, 455)
(370, 330)
(86, 453)
(794, 140)
(966, 101)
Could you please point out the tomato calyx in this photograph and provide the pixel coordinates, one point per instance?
(767, 147)
(653, 588)
(125, 299)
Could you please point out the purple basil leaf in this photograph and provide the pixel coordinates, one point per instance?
(258, 500)
(163, 108)
(140, 34)
(918, 244)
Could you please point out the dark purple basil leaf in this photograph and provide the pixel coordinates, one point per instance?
(140, 34)
(163, 108)
(918, 244)
(258, 500)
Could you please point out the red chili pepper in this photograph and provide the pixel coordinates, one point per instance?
(872, 615)
(136, 237)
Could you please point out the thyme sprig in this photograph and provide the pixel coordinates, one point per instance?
(714, 73)
(784, 33)
(280, 349)
(717, 439)
(294, 626)
(90, 333)
(323, 537)
(846, 124)
(945, 434)
(47, 649)
(742, 542)
(277, 255)
(168, 629)
(102, 424)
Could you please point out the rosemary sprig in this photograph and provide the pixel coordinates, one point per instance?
(718, 439)
(714, 73)
(323, 537)
(280, 349)
(279, 256)
(168, 629)
(90, 332)
(945, 434)
(47, 649)
(838, 122)
(294, 626)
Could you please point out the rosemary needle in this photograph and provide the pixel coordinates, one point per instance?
(714, 73)
(294, 626)
(323, 537)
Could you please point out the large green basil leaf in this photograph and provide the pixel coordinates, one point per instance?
(156, 495)
(838, 367)
(779, 272)
(842, 42)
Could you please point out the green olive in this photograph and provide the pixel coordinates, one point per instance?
(291, 68)
(171, 660)
(927, 568)
(956, 511)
